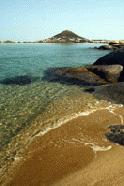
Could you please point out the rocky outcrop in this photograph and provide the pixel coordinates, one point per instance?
(113, 92)
(78, 76)
(107, 69)
(110, 73)
(117, 44)
(112, 45)
(112, 58)
(116, 134)
(104, 47)
(66, 36)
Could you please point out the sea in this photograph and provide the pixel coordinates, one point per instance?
(31, 109)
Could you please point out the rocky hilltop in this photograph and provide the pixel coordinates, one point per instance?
(66, 36)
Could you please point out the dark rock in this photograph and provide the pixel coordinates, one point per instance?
(104, 47)
(112, 92)
(90, 90)
(114, 42)
(73, 76)
(116, 134)
(116, 46)
(17, 80)
(113, 58)
(110, 73)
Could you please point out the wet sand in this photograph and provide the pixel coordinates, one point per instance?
(77, 153)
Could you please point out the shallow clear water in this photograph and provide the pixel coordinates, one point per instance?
(33, 59)
(21, 105)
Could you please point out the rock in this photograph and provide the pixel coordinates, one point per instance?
(110, 73)
(74, 76)
(66, 36)
(116, 57)
(121, 42)
(104, 47)
(117, 44)
(17, 80)
(90, 89)
(112, 58)
(112, 92)
(116, 134)
(113, 42)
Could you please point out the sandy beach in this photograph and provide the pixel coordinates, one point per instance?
(77, 153)
(62, 93)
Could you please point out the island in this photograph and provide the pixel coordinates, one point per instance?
(66, 36)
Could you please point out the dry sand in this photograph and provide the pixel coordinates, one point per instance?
(77, 153)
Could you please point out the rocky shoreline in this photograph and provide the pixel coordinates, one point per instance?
(102, 81)
(112, 45)
(105, 78)
(107, 69)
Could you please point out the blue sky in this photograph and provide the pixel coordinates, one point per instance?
(39, 19)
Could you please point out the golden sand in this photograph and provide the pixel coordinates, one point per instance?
(77, 153)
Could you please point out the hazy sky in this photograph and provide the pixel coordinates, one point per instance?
(38, 19)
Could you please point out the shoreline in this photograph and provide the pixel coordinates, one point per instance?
(69, 148)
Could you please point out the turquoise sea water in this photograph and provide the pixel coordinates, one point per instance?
(33, 59)
(21, 105)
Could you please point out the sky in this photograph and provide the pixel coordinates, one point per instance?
(39, 19)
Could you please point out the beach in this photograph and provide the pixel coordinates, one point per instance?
(77, 153)
(54, 132)
(30, 105)
(61, 93)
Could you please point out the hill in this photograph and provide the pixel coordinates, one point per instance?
(66, 36)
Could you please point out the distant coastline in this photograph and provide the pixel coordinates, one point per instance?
(65, 36)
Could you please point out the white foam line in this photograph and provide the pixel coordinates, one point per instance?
(73, 140)
(93, 146)
(97, 148)
(66, 119)
(121, 118)
(111, 110)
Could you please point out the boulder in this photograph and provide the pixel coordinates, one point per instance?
(121, 42)
(112, 58)
(115, 45)
(74, 76)
(110, 73)
(114, 42)
(112, 92)
(104, 47)
(116, 134)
